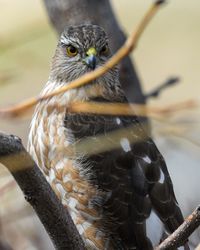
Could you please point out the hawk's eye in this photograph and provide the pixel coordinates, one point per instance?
(72, 51)
(104, 50)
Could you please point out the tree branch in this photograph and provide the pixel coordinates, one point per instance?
(131, 108)
(157, 91)
(178, 238)
(128, 46)
(4, 246)
(39, 194)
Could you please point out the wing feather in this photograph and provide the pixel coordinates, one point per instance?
(132, 173)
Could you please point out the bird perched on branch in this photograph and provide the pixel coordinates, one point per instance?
(104, 168)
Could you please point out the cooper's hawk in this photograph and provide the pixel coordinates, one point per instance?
(104, 168)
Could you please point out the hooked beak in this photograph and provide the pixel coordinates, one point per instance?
(91, 59)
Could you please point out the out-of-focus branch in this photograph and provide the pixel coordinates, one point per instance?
(131, 108)
(198, 248)
(157, 91)
(39, 194)
(178, 238)
(128, 46)
(4, 246)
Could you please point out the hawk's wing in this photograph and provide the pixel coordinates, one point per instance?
(123, 161)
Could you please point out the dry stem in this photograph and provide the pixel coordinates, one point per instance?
(130, 109)
(129, 45)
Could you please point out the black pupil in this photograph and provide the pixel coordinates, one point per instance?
(72, 49)
(103, 49)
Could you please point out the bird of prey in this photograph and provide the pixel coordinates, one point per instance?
(104, 168)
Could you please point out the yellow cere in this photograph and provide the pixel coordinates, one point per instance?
(91, 51)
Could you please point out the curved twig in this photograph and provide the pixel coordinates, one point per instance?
(128, 46)
(178, 238)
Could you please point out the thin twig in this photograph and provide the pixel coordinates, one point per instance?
(157, 91)
(110, 108)
(178, 238)
(128, 46)
(131, 108)
(189, 104)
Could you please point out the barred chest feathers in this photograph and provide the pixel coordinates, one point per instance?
(51, 146)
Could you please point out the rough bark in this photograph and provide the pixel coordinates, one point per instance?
(39, 194)
(179, 236)
(64, 13)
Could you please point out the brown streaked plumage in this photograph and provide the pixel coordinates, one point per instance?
(116, 193)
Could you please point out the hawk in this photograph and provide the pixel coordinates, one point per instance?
(104, 168)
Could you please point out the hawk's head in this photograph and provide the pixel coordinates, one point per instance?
(80, 49)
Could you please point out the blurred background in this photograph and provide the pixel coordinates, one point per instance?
(169, 47)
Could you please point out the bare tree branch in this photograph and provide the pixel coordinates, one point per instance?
(178, 238)
(39, 194)
(128, 46)
(157, 91)
(131, 108)
(4, 246)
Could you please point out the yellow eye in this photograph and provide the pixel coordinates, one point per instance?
(104, 50)
(71, 51)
